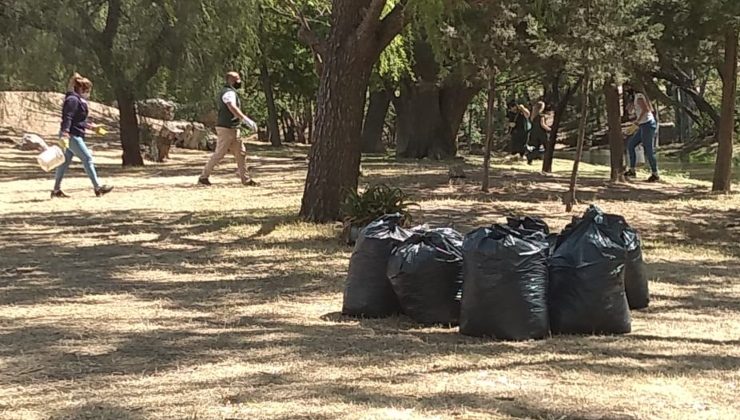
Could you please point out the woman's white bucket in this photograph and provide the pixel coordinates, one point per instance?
(51, 158)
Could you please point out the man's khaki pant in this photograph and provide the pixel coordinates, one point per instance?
(228, 141)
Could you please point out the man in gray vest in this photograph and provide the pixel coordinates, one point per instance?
(230, 117)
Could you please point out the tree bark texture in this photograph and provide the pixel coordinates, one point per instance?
(559, 100)
(272, 115)
(490, 106)
(355, 40)
(430, 111)
(616, 141)
(129, 127)
(372, 129)
(289, 127)
(570, 198)
(723, 169)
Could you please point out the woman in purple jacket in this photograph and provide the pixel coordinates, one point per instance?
(72, 136)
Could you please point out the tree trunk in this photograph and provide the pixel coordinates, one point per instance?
(570, 198)
(723, 169)
(616, 142)
(429, 110)
(289, 127)
(129, 127)
(490, 106)
(272, 115)
(301, 124)
(356, 38)
(283, 126)
(627, 102)
(429, 118)
(309, 118)
(683, 120)
(372, 129)
(560, 101)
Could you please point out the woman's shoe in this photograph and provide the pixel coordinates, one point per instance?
(58, 194)
(103, 190)
(630, 174)
(654, 178)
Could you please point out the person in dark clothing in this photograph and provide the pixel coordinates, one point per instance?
(519, 127)
(72, 136)
(539, 134)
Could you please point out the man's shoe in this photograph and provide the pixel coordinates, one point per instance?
(103, 190)
(250, 183)
(58, 194)
(654, 178)
(204, 181)
(630, 174)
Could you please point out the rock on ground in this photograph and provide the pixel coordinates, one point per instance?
(157, 108)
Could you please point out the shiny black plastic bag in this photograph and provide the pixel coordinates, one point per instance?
(635, 272)
(529, 223)
(368, 291)
(426, 274)
(505, 284)
(587, 292)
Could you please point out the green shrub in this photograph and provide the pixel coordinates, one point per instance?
(359, 209)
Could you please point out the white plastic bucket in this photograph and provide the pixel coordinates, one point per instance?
(640, 152)
(51, 158)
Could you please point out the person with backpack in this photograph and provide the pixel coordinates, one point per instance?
(72, 136)
(645, 135)
(230, 117)
(539, 134)
(520, 127)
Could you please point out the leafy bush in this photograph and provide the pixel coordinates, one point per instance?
(359, 209)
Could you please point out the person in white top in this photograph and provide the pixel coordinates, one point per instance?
(648, 125)
(230, 117)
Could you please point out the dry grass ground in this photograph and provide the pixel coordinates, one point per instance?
(164, 300)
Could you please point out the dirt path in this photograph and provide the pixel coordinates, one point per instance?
(168, 301)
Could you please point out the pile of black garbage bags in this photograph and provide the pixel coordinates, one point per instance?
(511, 282)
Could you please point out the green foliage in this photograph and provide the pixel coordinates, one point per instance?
(359, 209)
(168, 48)
(605, 36)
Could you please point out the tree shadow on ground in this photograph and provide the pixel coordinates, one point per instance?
(349, 345)
(50, 269)
(212, 288)
(95, 411)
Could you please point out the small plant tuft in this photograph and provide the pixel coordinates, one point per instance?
(359, 209)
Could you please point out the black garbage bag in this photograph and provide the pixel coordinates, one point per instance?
(587, 294)
(529, 223)
(505, 284)
(426, 274)
(635, 272)
(535, 224)
(368, 291)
